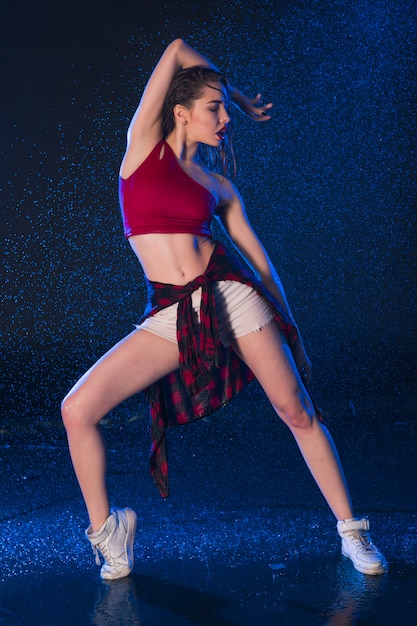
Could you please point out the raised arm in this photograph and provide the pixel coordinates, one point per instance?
(148, 117)
(145, 129)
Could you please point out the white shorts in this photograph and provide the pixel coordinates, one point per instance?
(240, 310)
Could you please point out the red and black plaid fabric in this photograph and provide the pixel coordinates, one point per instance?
(209, 375)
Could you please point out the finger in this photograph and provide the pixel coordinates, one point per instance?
(266, 108)
(263, 111)
(260, 116)
(256, 100)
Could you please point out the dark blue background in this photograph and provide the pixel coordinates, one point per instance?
(329, 184)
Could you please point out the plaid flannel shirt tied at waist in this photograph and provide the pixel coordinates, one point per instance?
(209, 375)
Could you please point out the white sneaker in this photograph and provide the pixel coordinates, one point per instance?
(114, 541)
(358, 547)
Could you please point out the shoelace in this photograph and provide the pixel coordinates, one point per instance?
(361, 539)
(96, 555)
(104, 553)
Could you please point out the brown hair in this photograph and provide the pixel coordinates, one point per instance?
(187, 86)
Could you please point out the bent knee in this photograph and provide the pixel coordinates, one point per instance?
(297, 413)
(73, 416)
(68, 411)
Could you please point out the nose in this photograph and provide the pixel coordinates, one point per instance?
(225, 116)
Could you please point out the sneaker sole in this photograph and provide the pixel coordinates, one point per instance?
(131, 518)
(382, 568)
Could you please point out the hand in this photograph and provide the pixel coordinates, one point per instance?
(254, 109)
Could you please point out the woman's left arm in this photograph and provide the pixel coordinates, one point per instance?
(233, 218)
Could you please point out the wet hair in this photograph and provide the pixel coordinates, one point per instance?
(186, 87)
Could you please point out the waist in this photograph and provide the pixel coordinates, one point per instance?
(168, 228)
(172, 258)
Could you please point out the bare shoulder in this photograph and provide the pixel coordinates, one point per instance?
(228, 193)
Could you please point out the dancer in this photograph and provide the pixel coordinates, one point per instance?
(211, 324)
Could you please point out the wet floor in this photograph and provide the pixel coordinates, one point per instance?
(217, 592)
(239, 542)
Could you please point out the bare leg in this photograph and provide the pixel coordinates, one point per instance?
(134, 363)
(271, 361)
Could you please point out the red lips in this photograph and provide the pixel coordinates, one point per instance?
(221, 134)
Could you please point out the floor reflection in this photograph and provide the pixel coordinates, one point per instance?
(355, 594)
(305, 591)
(127, 602)
(336, 595)
(117, 603)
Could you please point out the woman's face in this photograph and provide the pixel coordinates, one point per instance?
(207, 119)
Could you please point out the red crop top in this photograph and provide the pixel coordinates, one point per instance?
(160, 197)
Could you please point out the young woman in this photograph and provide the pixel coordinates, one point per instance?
(211, 325)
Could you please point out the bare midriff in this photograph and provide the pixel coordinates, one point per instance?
(175, 259)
